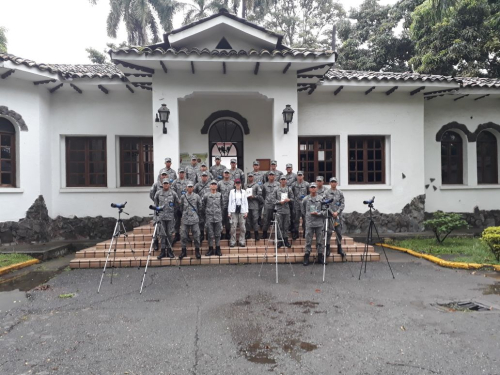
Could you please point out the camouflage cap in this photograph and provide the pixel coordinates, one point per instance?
(313, 185)
(181, 170)
(165, 181)
(319, 178)
(193, 157)
(217, 158)
(233, 160)
(300, 173)
(189, 184)
(333, 179)
(250, 174)
(283, 177)
(256, 162)
(289, 165)
(226, 171)
(168, 160)
(271, 173)
(274, 162)
(213, 182)
(204, 174)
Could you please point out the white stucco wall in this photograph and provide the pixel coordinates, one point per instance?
(27, 100)
(257, 111)
(398, 117)
(95, 114)
(458, 198)
(281, 88)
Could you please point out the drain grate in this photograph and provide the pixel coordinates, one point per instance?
(464, 306)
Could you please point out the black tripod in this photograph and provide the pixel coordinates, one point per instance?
(119, 231)
(162, 233)
(369, 241)
(277, 231)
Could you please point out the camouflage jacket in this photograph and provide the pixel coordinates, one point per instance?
(237, 173)
(171, 175)
(212, 207)
(202, 188)
(313, 221)
(180, 187)
(285, 207)
(217, 171)
(338, 200)
(224, 187)
(256, 197)
(198, 176)
(258, 177)
(191, 208)
(191, 172)
(290, 178)
(169, 200)
(157, 186)
(300, 191)
(268, 193)
(277, 175)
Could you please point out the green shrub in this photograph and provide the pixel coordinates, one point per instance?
(442, 224)
(491, 237)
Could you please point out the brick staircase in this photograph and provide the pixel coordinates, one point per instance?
(140, 240)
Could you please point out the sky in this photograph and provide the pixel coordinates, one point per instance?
(58, 31)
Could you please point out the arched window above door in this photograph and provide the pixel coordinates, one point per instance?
(487, 158)
(451, 158)
(225, 139)
(7, 153)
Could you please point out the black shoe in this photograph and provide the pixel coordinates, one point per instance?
(197, 253)
(210, 251)
(295, 235)
(155, 244)
(247, 235)
(280, 244)
(257, 237)
(340, 251)
(321, 259)
(228, 235)
(328, 250)
(287, 244)
(162, 254)
(232, 245)
(170, 253)
(264, 235)
(242, 245)
(218, 252)
(183, 253)
(306, 260)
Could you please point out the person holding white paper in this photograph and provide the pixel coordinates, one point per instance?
(237, 212)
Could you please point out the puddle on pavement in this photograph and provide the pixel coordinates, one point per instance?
(258, 352)
(495, 275)
(27, 281)
(492, 289)
(307, 304)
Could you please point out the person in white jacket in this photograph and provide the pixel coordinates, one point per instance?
(237, 212)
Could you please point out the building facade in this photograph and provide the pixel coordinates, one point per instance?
(84, 136)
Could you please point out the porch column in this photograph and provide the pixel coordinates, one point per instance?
(166, 145)
(286, 145)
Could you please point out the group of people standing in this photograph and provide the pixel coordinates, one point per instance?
(203, 202)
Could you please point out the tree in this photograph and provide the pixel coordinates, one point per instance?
(464, 41)
(201, 9)
(98, 57)
(304, 23)
(368, 40)
(3, 39)
(442, 224)
(139, 18)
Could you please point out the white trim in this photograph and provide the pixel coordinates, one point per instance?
(365, 187)
(466, 187)
(11, 190)
(91, 190)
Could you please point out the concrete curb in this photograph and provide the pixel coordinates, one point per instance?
(442, 262)
(18, 266)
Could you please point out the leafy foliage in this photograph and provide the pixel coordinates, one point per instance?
(98, 57)
(3, 39)
(459, 40)
(442, 224)
(201, 9)
(491, 237)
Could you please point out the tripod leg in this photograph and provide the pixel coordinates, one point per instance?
(382, 246)
(107, 257)
(149, 256)
(286, 250)
(126, 237)
(324, 248)
(266, 241)
(276, 246)
(365, 250)
(177, 261)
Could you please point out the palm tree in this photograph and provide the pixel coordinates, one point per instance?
(203, 8)
(3, 39)
(139, 18)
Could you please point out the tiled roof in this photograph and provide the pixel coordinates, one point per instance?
(69, 71)
(475, 82)
(355, 75)
(298, 52)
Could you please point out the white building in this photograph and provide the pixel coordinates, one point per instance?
(84, 136)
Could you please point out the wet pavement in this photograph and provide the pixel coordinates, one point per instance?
(228, 320)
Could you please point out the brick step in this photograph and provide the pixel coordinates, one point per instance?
(150, 230)
(224, 259)
(100, 253)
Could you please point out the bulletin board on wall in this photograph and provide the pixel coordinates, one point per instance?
(185, 158)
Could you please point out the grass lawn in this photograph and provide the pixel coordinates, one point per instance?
(469, 250)
(9, 259)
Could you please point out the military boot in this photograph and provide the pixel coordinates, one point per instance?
(202, 236)
(210, 251)
(177, 237)
(340, 251)
(170, 253)
(287, 244)
(155, 244)
(228, 235)
(247, 235)
(328, 250)
(321, 259)
(162, 254)
(218, 251)
(197, 253)
(257, 237)
(183, 253)
(264, 235)
(295, 235)
(306, 260)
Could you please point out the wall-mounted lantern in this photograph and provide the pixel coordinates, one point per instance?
(288, 117)
(162, 116)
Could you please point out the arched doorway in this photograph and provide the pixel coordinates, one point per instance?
(225, 139)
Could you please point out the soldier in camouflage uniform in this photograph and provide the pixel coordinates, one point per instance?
(253, 207)
(168, 199)
(290, 179)
(319, 183)
(191, 209)
(311, 205)
(258, 178)
(203, 168)
(283, 211)
(180, 187)
(269, 201)
(157, 186)
(277, 173)
(335, 212)
(218, 169)
(300, 190)
(202, 188)
(236, 172)
(224, 187)
(212, 206)
(172, 176)
(192, 170)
